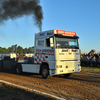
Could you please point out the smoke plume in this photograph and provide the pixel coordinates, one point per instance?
(11, 9)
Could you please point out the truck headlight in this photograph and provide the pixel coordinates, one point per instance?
(59, 66)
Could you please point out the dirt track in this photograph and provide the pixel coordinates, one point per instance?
(79, 86)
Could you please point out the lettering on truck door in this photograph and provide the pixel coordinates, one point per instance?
(39, 56)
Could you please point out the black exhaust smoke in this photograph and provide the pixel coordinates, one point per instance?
(11, 9)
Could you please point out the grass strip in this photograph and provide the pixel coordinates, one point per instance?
(90, 70)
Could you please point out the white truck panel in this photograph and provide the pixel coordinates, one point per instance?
(32, 68)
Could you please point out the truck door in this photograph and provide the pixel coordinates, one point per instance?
(49, 52)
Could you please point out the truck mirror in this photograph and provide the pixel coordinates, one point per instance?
(51, 45)
(51, 42)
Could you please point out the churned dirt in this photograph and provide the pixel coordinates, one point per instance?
(79, 86)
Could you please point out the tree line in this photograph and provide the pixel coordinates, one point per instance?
(19, 50)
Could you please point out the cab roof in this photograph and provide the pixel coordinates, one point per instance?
(53, 32)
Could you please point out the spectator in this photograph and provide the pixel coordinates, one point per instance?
(87, 60)
(98, 61)
(93, 61)
(90, 59)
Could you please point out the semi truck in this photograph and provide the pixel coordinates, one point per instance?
(55, 52)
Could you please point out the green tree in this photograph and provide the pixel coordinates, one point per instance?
(0, 49)
(10, 50)
(25, 50)
(3, 50)
(33, 49)
(19, 50)
(28, 50)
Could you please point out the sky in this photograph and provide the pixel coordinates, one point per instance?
(80, 16)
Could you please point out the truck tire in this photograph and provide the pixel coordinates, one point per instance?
(18, 69)
(67, 75)
(45, 72)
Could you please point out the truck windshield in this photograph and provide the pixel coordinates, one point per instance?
(67, 43)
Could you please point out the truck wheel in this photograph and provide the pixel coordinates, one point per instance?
(67, 75)
(45, 72)
(18, 69)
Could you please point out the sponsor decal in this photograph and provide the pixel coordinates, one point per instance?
(50, 33)
(77, 50)
(74, 50)
(61, 53)
(66, 33)
(70, 50)
(41, 34)
(38, 50)
(45, 51)
(46, 33)
(64, 50)
(41, 43)
(48, 51)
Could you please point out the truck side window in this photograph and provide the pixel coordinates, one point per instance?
(48, 42)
